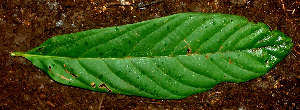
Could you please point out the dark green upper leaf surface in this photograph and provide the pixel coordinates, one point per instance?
(165, 58)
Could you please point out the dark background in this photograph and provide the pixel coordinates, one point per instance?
(26, 24)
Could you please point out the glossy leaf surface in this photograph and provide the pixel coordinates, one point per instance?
(170, 57)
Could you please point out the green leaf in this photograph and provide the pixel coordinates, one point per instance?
(170, 57)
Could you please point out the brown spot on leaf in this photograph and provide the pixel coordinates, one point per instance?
(206, 56)
(63, 77)
(104, 85)
(71, 73)
(41, 48)
(189, 50)
(230, 61)
(93, 85)
(221, 47)
(49, 68)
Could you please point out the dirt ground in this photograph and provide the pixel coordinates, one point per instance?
(26, 24)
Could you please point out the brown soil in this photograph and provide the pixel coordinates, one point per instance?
(25, 25)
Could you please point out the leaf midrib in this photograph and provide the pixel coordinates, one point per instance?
(51, 56)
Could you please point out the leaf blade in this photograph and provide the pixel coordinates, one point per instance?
(166, 58)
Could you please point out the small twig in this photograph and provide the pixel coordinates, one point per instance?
(294, 52)
(100, 105)
(285, 11)
(140, 5)
(121, 3)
